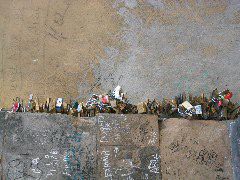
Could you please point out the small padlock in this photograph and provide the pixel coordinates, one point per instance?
(141, 108)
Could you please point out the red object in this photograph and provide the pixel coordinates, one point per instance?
(105, 100)
(228, 95)
(16, 106)
(219, 103)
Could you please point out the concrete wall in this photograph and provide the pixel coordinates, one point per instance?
(43, 146)
(153, 48)
(235, 139)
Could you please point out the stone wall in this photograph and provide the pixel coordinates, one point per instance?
(43, 146)
(109, 146)
(195, 150)
(37, 146)
(235, 139)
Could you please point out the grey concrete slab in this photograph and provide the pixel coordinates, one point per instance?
(235, 140)
(43, 146)
(128, 146)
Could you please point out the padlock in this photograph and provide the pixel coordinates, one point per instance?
(141, 108)
(65, 107)
(113, 103)
(224, 113)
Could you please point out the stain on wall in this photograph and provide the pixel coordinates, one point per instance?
(175, 46)
(152, 48)
(195, 150)
(49, 47)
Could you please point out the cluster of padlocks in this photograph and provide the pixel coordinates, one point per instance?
(218, 106)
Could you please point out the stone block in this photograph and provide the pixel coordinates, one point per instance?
(195, 149)
(128, 146)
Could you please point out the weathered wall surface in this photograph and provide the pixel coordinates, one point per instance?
(195, 150)
(42, 146)
(49, 47)
(153, 48)
(128, 147)
(46, 147)
(235, 141)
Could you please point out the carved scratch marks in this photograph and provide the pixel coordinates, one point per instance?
(203, 153)
(202, 156)
(12, 70)
(54, 25)
(3, 36)
(34, 22)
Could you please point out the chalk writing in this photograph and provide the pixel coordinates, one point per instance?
(106, 164)
(52, 162)
(154, 164)
(153, 138)
(22, 168)
(34, 167)
(116, 151)
(104, 130)
(73, 155)
(72, 152)
(127, 148)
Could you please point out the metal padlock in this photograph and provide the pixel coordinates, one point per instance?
(141, 108)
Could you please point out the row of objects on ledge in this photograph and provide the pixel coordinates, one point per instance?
(218, 106)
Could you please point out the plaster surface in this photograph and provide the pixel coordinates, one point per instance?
(152, 48)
